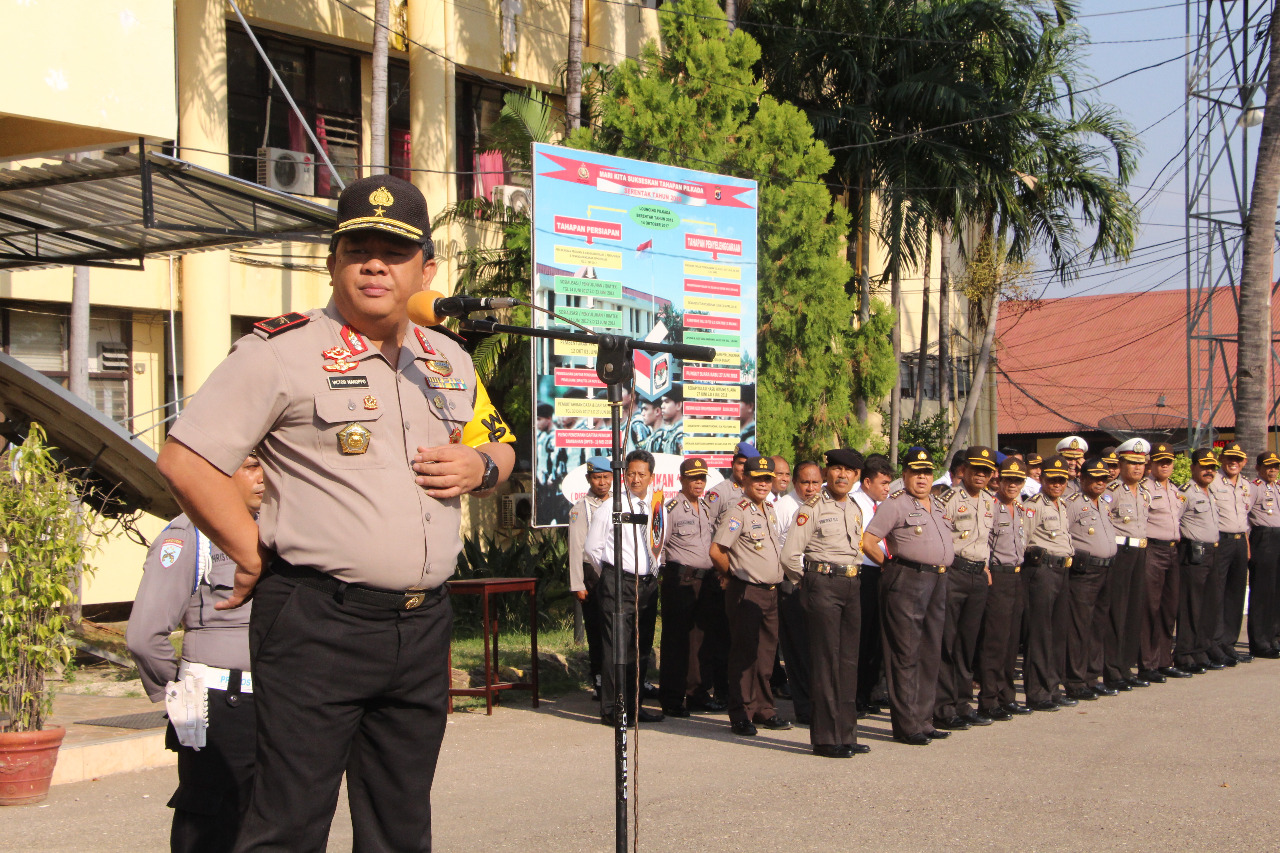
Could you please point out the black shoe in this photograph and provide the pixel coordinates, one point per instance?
(678, 711)
(1269, 654)
(1138, 681)
(857, 749)
(1015, 709)
(1115, 687)
(1043, 705)
(831, 750)
(954, 723)
(1084, 694)
(918, 739)
(997, 713)
(1175, 672)
(978, 718)
(1106, 690)
(709, 705)
(1065, 701)
(1244, 657)
(649, 690)
(782, 692)
(743, 729)
(647, 716)
(1152, 677)
(1214, 665)
(937, 735)
(776, 724)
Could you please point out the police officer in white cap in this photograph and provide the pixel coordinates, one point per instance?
(1130, 504)
(1073, 448)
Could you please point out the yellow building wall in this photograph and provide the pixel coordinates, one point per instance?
(76, 97)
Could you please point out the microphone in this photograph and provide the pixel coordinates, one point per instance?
(430, 307)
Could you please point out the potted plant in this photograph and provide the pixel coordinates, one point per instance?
(42, 544)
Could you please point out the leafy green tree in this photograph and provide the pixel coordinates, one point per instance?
(697, 103)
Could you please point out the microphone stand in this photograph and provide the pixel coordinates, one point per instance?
(615, 368)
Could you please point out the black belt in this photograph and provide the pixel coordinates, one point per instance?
(1055, 562)
(919, 567)
(607, 567)
(1266, 531)
(1222, 536)
(837, 569)
(962, 564)
(1095, 562)
(753, 583)
(1167, 543)
(384, 599)
(1008, 569)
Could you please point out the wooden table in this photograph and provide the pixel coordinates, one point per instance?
(485, 587)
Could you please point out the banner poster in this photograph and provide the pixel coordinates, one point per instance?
(656, 253)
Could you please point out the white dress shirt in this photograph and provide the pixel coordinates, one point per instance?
(784, 508)
(1029, 489)
(868, 507)
(635, 538)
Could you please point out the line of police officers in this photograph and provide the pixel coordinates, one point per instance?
(1109, 577)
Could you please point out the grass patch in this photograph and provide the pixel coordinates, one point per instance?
(513, 651)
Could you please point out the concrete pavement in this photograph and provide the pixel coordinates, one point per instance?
(1186, 766)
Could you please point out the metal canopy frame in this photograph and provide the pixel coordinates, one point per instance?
(115, 211)
(1226, 79)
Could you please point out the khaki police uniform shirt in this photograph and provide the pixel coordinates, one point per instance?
(725, 494)
(1129, 511)
(690, 531)
(913, 529)
(749, 534)
(358, 516)
(1167, 505)
(1049, 525)
(580, 577)
(971, 518)
(1266, 500)
(1092, 532)
(1233, 502)
(824, 530)
(1199, 521)
(1008, 537)
(184, 576)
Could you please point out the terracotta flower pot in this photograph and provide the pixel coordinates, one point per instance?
(26, 765)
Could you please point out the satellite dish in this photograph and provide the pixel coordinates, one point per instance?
(118, 471)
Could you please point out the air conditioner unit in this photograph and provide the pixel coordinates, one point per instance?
(290, 171)
(518, 199)
(515, 510)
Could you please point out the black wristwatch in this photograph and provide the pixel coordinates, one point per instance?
(490, 478)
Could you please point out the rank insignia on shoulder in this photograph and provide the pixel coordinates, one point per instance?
(283, 323)
(899, 492)
(744, 503)
(422, 340)
(813, 501)
(671, 504)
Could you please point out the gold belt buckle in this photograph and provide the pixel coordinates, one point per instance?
(851, 571)
(1142, 543)
(413, 601)
(1067, 564)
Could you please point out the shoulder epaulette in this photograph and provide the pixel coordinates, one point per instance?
(1076, 496)
(280, 325)
(744, 503)
(449, 333)
(813, 501)
(1186, 487)
(671, 504)
(895, 494)
(1114, 485)
(1037, 498)
(946, 496)
(1258, 481)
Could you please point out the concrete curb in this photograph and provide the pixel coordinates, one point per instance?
(86, 761)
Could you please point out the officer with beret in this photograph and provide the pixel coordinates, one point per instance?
(1198, 614)
(745, 552)
(1233, 495)
(1072, 449)
(368, 428)
(1094, 538)
(1116, 636)
(1264, 562)
(913, 596)
(1046, 574)
(823, 554)
(582, 575)
(1002, 617)
(970, 512)
(1160, 613)
(687, 564)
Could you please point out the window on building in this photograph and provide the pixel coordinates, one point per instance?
(479, 169)
(961, 376)
(325, 83)
(399, 158)
(38, 336)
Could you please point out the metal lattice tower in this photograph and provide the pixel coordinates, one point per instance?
(1226, 90)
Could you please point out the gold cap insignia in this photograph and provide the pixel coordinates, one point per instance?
(1075, 445)
(985, 453)
(381, 199)
(921, 455)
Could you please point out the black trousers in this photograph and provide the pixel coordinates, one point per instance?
(1160, 611)
(1084, 590)
(753, 642)
(833, 608)
(966, 601)
(214, 782)
(343, 686)
(1042, 664)
(679, 607)
(1131, 642)
(591, 627)
(1001, 627)
(870, 649)
(912, 613)
(712, 622)
(635, 614)
(1197, 611)
(1264, 569)
(1129, 561)
(1230, 576)
(793, 642)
